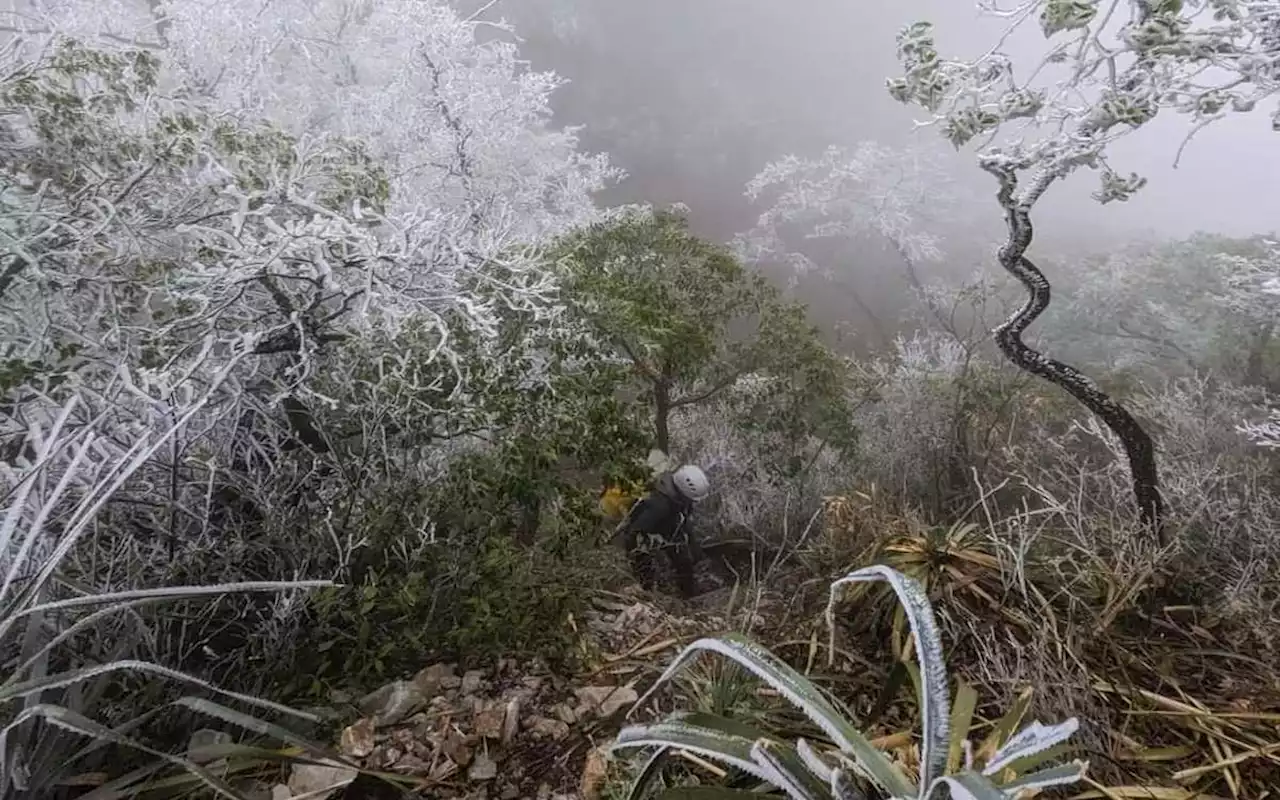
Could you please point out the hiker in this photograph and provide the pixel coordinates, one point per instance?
(658, 523)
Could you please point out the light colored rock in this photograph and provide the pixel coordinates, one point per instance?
(550, 728)
(357, 739)
(393, 702)
(594, 773)
(605, 700)
(437, 677)
(206, 737)
(280, 792)
(564, 713)
(482, 768)
(488, 723)
(472, 681)
(319, 780)
(511, 722)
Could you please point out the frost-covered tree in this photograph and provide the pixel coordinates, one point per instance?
(888, 196)
(470, 177)
(152, 240)
(868, 195)
(143, 227)
(462, 125)
(1109, 68)
(1197, 305)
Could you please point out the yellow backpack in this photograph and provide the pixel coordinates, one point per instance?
(618, 498)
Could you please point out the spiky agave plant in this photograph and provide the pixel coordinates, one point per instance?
(804, 772)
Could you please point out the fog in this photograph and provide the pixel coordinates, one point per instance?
(693, 98)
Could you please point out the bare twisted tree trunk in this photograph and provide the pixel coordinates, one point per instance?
(1137, 443)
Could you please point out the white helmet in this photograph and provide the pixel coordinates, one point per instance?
(691, 482)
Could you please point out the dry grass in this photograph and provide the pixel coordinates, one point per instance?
(1174, 679)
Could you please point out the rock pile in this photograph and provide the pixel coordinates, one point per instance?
(512, 732)
(516, 730)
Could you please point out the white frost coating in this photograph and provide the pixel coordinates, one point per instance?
(814, 761)
(935, 703)
(896, 196)
(1107, 69)
(1035, 738)
(1064, 775)
(778, 773)
(662, 735)
(799, 691)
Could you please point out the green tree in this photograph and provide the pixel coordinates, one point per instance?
(691, 319)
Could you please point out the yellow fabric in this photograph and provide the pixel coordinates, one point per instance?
(617, 500)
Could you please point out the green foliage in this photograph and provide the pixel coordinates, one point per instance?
(692, 321)
(665, 296)
(469, 600)
(805, 772)
(802, 404)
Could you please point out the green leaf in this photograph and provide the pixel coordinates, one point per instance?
(1063, 775)
(258, 726)
(800, 691)
(934, 696)
(965, 786)
(64, 679)
(1031, 742)
(648, 773)
(961, 720)
(787, 770)
(675, 732)
(706, 793)
(69, 720)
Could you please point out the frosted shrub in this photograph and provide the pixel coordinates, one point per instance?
(754, 488)
(908, 431)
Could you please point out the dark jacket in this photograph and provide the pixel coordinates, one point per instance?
(662, 515)
(662, 511)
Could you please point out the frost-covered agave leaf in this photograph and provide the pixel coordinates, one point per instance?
(62, 680)
(801, 691)
(1035, 738)
(843, 788)
(1063, 775)
(259, 726)
(724, 747)
(816, 764)
(785, 769)
(648, 773)
(69, 720)
(965, 786)
(934, 701)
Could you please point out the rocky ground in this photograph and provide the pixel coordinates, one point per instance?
(516, 730)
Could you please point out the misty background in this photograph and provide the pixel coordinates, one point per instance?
(693, 99)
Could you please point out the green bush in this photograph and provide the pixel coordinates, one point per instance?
(470, 604)
(470, 589)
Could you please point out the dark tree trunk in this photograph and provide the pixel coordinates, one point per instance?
(662, 415)
(1137, 442)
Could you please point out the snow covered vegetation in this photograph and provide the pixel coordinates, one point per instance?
(321, 337)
